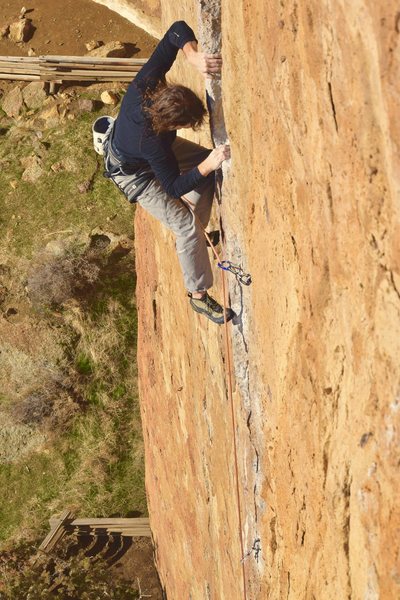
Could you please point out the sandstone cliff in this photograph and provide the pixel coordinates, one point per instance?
(310, 208)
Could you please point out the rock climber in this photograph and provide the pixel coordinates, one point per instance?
(152, 166)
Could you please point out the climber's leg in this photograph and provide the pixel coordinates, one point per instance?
(190, 241)
(189, 155)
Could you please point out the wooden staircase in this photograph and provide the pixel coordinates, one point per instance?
(101, 530)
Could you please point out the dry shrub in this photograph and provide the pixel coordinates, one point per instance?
(33, 409)
(56, 278)
(59, 576)
(49, 408)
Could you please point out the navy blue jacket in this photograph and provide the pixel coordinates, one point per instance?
(134, 140)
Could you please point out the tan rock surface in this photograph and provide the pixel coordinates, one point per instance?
(109, 97)
(13, 102)
(33, 168)
(34, 94)
(143, 13)
(111, 50)
(309, 208)
(21, 31)
(92, 45)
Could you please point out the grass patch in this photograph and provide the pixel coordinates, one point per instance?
(94, 464)
(53, 203)
(84, 364)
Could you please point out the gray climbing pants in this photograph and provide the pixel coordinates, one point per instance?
(190, 240)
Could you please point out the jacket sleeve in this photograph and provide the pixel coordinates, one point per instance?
(165, 167)
(165, 54)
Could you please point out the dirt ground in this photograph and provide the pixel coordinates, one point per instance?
(65, 27)
(137, 566)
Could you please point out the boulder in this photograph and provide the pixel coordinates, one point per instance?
(93, 44)
(21, 30)
(13, 102)
(66, 164)
(33, 168)
(109, 97)
(80, 106)
(111, 50)
(49, 117)
(85, 186)
(34, 94)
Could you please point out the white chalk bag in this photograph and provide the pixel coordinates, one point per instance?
(99, 130)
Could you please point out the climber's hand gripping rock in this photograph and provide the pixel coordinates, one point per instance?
(208, 65)
(215, 159)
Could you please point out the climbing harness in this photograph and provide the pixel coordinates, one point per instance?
(229, 388)
(130, 179)
(241, 276)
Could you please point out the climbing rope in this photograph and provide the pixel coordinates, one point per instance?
(228, 380)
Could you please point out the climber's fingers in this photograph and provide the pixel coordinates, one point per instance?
(214, 58)
(213, 63)
(209, 65)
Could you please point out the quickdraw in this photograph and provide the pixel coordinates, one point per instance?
(241, 276)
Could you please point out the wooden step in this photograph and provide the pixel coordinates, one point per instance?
(57, 531)
(106, 522)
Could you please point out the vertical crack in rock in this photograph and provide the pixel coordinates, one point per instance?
(346, 526)
(333, 106)
(393, 283)
(210, 37)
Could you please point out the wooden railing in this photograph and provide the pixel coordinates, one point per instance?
(72, 68)
(108, 537)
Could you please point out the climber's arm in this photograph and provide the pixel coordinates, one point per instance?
(163, 57)
(208, 65)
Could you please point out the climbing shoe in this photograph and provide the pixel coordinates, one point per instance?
(210, 308)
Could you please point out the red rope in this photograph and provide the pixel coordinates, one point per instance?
(229, 389)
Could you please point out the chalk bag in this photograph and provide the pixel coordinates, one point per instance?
(99, 130)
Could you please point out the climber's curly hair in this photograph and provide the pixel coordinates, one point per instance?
(171, 106)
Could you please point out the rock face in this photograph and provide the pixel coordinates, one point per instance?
(308, 206)
(144, 13)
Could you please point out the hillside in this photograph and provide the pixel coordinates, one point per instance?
(70, 433)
